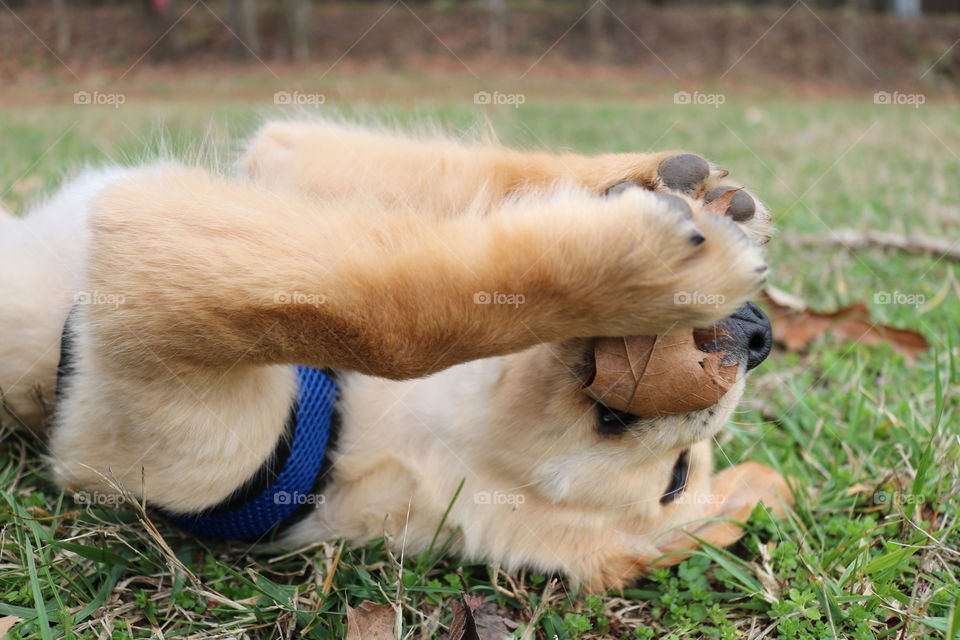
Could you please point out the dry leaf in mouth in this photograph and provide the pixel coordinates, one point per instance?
(652, 376)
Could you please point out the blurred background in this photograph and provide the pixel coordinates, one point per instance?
(834, 41)
(842, 115)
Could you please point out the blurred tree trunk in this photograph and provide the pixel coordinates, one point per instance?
(600, 30)
(298, 27)
(161, 18)
(62, 20)
(497, 10)
(852, 27)
(243, 21)
(906, 8)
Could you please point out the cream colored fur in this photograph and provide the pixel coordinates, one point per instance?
(363, 250)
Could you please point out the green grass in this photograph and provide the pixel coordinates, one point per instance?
(871, 440)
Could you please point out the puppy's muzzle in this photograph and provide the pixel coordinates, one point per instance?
(746, 337)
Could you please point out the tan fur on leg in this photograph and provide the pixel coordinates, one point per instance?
(325, 159)
(213, 272)
(331, 159)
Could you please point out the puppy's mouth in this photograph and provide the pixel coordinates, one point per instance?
(654, 376)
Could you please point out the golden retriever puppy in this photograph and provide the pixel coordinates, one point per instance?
(367, 328)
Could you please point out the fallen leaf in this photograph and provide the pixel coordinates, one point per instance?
(795, 325)
(463, 626)
(474, 619)
(652, 376)
(7, 623)
(371, 621)
(784, 299)
(492, 624)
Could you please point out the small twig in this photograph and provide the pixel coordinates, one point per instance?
(328, 581)
(541, 606)
(854, 240)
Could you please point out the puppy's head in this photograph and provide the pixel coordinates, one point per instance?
(570, 448)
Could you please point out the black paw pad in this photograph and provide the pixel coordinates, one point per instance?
(742, 207)
(684, 172)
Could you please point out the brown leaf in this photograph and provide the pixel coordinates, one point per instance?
(474, 619)
(7, 623)
(652, 376)
(463, 626)
(371, 621)
(795, 325)
(492, 624)
(719, 205)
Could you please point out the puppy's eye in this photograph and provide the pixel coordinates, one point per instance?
(613, 421)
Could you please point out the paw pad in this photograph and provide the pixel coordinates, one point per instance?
(741, 208)
(684, 172)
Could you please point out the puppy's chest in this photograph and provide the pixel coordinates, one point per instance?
(409, 418)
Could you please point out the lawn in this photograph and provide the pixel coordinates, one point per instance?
(871, 440)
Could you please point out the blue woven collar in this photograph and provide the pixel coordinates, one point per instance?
(288, 484)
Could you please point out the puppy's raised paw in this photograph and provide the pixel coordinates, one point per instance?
(692, 176)
(690, 267)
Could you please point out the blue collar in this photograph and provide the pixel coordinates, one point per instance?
(287, 485)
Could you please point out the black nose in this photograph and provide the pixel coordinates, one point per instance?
(750, 327)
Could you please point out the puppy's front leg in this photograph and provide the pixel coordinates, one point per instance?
(328, 158)
(213, 273)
